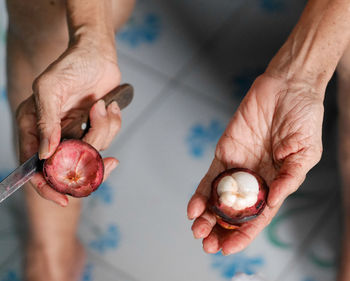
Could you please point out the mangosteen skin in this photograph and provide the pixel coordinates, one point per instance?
(62, 168)
(226, 216)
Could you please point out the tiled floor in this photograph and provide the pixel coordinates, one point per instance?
(190, 63)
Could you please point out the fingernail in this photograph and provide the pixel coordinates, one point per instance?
(62, 201)
(113, 165)
(44, 148)
(101, 108)
(114, 107)
(194, 236)
(224, 254)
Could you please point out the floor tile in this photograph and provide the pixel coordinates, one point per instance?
(319, 258)
(242, 48)
(153, 36)
(203, 18)
(147, 88)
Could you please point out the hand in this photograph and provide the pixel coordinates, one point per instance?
(276, 132)
(73, 83)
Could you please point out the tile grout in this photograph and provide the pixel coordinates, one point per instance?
(174, 81)
(192, 90)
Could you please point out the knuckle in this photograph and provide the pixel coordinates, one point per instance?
(41, 84)
(47, 84)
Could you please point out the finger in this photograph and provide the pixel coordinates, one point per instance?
(236, 240)
(114, 117)
(203, 225)
(46, 191)
(48, 108)
(99, 123)
(211, 244)
(110, 164)
(198, 203)
(291, 175)
(27, 130)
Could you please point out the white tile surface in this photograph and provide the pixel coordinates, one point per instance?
(153, 36)
(147, 88)
(319, 258)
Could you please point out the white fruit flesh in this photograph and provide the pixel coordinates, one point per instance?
(239, 190)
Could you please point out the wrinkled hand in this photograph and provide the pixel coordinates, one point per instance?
(72, 84)
(276, 132)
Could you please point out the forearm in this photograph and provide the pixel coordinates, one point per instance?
(90, 19)
(316, 44)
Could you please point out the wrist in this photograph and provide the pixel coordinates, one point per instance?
(296, 69)
(90, 20)
(316, 44)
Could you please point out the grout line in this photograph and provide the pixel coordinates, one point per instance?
(166, 91)
(312, 234)
(137, 62)
(191, 90)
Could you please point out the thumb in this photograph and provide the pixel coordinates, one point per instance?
(48, 110)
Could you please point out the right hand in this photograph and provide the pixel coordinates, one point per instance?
(73, 83)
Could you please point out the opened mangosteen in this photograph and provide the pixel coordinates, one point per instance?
(76, 168)
(238, 195)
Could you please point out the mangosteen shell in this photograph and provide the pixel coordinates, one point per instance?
(240, 218)
(77, 194)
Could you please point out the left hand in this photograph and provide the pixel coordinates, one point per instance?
(275, 132)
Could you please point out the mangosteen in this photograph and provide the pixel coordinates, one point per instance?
(76, 168)
(238, 195)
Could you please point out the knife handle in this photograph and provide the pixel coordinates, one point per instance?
(76, 129)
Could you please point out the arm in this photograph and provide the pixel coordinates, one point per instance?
(79, 77)
(88, 68)
(277, 128)
(316, 44)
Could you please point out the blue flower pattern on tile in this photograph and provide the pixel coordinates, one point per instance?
(3, 94)
(272, 5)
(201, 138)
(229, 266)
(11, 276)
(87, 274)
(106, 241)
(137, 32)
(104, 193)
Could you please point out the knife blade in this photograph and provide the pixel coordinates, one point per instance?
(19, 177)
(122, 94)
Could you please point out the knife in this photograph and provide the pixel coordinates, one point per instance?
(75, 129)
